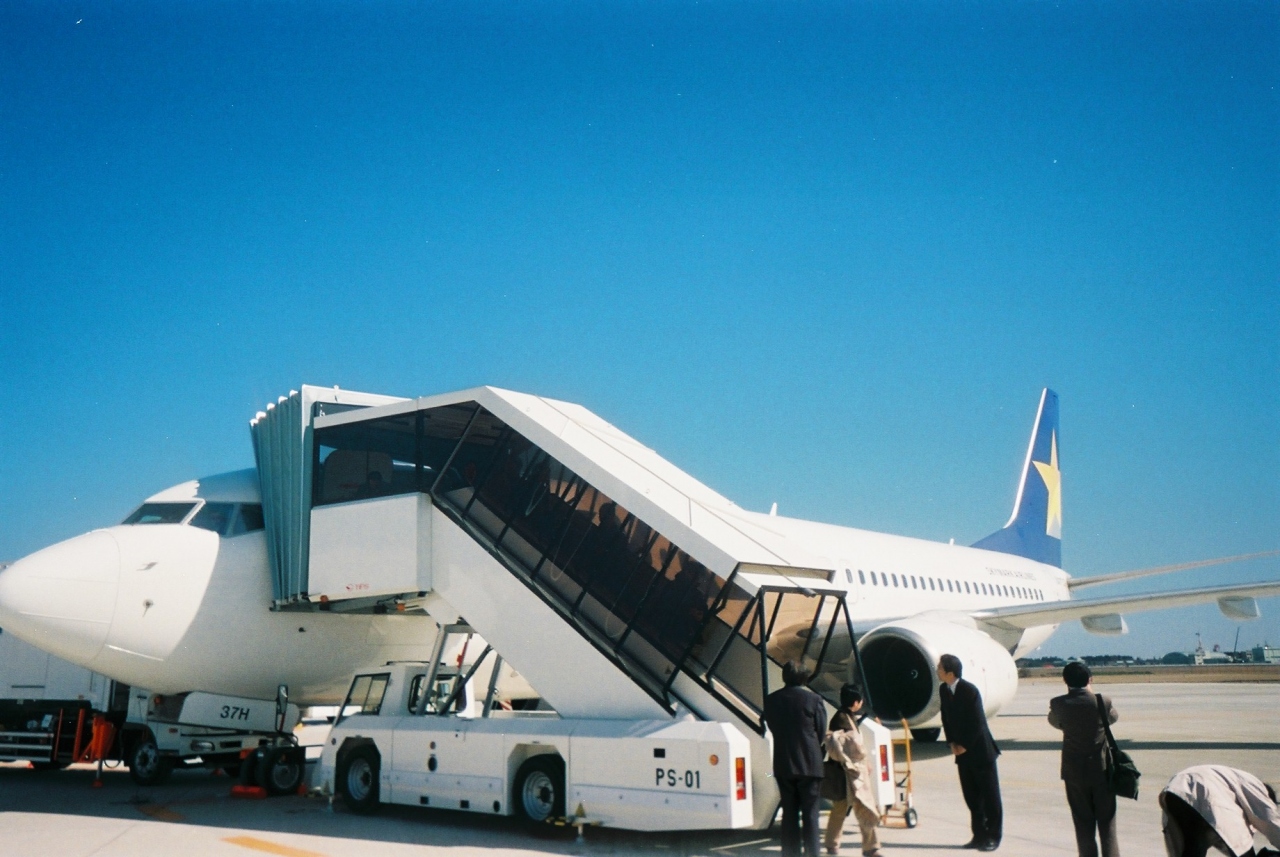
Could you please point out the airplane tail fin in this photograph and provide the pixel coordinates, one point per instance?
(1035, 527)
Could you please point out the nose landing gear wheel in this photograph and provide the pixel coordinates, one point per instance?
(280, 771)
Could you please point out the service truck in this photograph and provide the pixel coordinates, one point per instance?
(54, 713)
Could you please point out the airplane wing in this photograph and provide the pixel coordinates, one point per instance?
(1100, 579)
(1053, 612)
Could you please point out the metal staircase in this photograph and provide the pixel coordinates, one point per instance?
(650, 607)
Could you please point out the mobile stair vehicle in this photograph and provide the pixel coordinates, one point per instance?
(650, 629)
(415, 734)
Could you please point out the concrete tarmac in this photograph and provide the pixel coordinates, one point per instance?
(1165, 727)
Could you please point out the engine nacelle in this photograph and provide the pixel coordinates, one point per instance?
(900, 661)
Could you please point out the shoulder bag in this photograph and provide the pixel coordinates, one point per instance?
(833, 781)
(1122, 773)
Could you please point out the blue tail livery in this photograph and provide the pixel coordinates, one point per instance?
(1035, 527)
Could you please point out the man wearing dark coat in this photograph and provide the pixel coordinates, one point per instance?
(797, 718)
(1084, 771)
(965, 723)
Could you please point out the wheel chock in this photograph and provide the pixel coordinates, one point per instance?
(578, 820)
(248, 792)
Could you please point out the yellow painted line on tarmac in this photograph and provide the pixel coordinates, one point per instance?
(160, 813)
(270, 847)
(730, 847)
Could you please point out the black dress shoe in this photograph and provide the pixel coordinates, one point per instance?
(989, 845)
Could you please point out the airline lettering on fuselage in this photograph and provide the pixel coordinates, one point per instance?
(1004, 572)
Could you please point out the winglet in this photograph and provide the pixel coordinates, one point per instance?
(1034, 529)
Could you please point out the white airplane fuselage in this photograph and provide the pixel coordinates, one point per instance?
(891, 577)
(174, 608)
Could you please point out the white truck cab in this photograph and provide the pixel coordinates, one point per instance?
(393, 743)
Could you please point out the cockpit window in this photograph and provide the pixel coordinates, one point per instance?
(250, 519)
(216, 517)
(225, 519)
(160, 513)
(229, 519)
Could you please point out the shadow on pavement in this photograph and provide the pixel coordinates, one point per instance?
(199, 797)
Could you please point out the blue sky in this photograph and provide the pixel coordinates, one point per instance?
(823, 254)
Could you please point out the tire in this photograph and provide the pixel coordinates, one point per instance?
(926, 736)
(146, 765)
(538, 792)
(248, 773)
(357, 780)
(280, 770)
(911, 817)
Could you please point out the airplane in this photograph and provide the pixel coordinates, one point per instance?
(179, 596)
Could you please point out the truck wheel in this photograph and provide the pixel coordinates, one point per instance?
(146, 765)
(280, 771)
(248, 772)
(357, 780)
(926, 736)
(538, 793)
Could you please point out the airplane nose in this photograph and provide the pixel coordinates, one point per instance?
(62, 598)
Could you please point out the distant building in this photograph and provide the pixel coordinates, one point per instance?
(1266, 654)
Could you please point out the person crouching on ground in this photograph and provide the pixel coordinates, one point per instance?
(1084, 762)
(1213, 806)
(844, 745)
(797, 717)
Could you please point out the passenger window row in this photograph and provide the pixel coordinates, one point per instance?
(939, 584)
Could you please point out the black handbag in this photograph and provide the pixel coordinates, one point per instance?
(834, 786)
(1122, 773)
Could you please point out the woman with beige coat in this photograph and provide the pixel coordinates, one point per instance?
(844, 745)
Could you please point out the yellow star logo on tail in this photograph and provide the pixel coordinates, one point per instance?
(1052, 477)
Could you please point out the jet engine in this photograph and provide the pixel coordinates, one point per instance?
(900, 662)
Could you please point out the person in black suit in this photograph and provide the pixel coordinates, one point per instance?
(1084, 764)
(965, 724)
(797, 718)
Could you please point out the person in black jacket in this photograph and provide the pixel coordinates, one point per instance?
(1084, 771)
(965, 723)
(797, 718)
